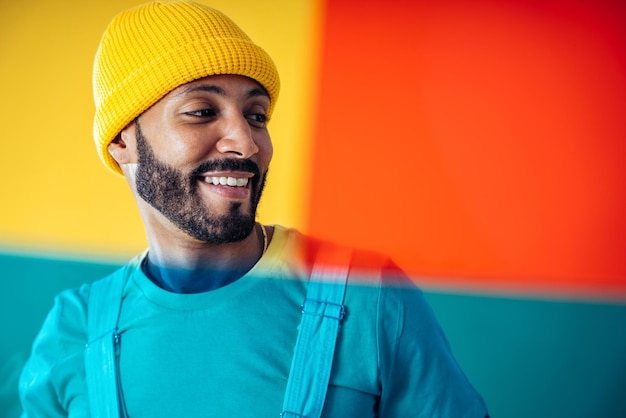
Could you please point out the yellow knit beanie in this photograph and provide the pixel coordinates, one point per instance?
(148, 51)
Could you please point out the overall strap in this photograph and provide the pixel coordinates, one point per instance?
(322, 312)
(102, 350)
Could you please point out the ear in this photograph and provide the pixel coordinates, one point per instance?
(122, 148)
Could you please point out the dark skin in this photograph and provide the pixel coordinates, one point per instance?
(212, 119)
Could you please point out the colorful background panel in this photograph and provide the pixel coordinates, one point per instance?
(480, 143)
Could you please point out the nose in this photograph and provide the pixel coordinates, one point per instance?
(237, 139)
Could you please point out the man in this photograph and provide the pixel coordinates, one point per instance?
(208, 321)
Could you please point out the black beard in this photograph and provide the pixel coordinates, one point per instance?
(175, 195)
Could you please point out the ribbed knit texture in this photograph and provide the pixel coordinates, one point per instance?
(148, 51)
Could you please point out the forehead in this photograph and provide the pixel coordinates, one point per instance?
(223, 85)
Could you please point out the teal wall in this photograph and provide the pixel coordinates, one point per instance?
(539, 358)
(529, 358)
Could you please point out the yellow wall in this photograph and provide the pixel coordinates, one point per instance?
(56, 196)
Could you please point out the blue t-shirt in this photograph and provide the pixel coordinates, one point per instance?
(227, 352)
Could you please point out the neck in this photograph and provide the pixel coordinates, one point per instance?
(187, 266)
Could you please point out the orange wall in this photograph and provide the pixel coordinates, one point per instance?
(482, 141)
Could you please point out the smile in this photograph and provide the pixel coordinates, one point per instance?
(227, 181)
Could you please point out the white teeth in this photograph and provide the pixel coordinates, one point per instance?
(227, 181)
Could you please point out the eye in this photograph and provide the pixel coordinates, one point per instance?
(202, 113)
(258, 120)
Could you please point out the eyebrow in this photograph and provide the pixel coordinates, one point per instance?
(257, 91)
(212, 88)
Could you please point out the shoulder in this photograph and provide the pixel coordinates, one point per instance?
(376, 284)
(65, 328)
(53, 377)
(364, 264)
(68, 315)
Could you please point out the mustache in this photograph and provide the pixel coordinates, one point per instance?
(227, 165)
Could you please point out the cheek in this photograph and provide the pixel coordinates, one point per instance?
(182, 150)
(266, 150)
